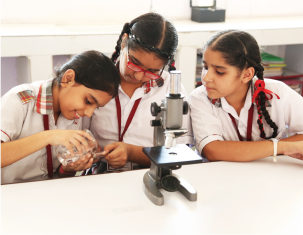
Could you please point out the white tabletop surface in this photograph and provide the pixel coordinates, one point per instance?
(254, 197)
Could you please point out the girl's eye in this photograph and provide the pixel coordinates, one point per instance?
(87, 101)
(132, 60)
(156, 72)
(205, 67)
(219, 73)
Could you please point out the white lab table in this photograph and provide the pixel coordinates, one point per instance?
(254, 197)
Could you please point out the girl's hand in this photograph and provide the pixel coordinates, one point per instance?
(293, 149)
(99, 151)
(70, 138)
(117, 154)
(298, 156)
(81, 164)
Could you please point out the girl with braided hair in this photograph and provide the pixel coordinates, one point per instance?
(145, 46)
(236, 114)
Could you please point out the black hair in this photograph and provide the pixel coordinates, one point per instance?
(94, 70)
(150, 32)
(241, 50)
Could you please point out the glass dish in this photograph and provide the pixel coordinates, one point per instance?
(65, 157)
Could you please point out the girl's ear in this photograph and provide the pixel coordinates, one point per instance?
(124, 40)
(68, 78)
(248, 74)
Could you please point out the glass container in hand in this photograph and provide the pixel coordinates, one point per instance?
(65, 157)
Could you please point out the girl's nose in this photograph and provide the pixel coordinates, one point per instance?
(205, 76)
(139, 75)
(89, 112)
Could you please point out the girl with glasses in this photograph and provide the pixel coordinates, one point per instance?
(237, 115)
(145, 46)
(38, 116)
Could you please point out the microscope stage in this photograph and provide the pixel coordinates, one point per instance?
(179, 155)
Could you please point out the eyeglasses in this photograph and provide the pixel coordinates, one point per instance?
(136, 68)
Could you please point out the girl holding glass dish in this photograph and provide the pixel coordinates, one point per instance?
(38, 116)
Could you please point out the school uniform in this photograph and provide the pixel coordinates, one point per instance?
(211, 119)
(22, 114)
(104, 125)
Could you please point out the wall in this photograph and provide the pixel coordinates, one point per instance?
(262, 8)
(294, 57)
(8, 73)
(66, 12)
(104, 11)
(15, 70)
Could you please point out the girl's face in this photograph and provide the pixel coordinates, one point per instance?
(76, 100)
(221, 79)
(145, 60)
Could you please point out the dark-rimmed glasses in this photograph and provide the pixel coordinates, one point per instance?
(136, 68)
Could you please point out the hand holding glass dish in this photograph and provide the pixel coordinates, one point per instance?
(65, 157)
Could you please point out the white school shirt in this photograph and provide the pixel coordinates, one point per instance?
(22, 116)
(104, 123)
(211, 123)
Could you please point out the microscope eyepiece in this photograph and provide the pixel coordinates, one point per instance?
(175, 82)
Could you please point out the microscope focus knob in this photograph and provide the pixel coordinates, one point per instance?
(155, 109)
(155, 123)
(185, 107)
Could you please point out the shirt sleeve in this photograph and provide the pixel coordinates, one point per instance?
(206, 126)
(13, 112)
(293, 111)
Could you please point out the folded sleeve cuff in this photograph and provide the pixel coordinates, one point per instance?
(207, 140)
(5, 137)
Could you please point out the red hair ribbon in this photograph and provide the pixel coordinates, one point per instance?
(173, 64)
(260, 87)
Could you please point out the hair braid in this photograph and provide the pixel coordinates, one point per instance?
(260, 101)
(126, 29)
(261, 104)
(265, 113)
(260, 121)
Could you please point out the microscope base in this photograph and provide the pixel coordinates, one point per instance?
(187, 189)
(151, 188)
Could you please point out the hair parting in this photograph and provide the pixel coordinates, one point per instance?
(153, 33)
